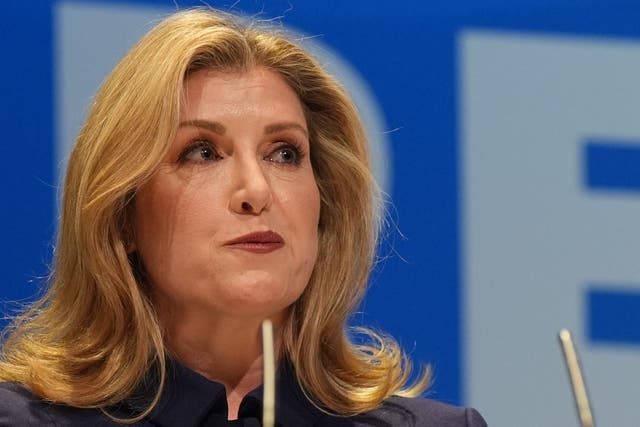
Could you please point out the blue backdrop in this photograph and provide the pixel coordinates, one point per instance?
(408, 53)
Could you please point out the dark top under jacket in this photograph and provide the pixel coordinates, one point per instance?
(190, 399)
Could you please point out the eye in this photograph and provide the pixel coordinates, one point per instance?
(199, 151)
(287, 154)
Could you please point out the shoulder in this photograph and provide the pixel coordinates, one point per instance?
(400, 411)
(19, 407)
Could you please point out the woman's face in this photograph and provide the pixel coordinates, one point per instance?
(228, 224)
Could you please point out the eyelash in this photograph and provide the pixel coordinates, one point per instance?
(297, 152)
(202, 144)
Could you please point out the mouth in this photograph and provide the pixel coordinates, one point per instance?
(258, 242)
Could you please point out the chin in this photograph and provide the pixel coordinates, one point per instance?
(258, 298)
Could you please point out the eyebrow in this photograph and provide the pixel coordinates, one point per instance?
(278, 127)
(215, 127)
(220, 129)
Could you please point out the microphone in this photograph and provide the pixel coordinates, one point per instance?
(577, 382)
(269, 375)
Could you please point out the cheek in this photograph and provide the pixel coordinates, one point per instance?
(170, 205)
(164, 219)
(303, 205)
(305, 210)
(153, 230)
(150, 216)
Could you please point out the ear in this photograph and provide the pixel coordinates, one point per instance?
(128, 240)
(130, 247)
(128, 232)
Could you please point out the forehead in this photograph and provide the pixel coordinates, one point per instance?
(254, 93)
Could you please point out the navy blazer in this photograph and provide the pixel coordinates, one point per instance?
(190, 399)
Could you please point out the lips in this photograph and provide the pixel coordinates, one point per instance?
(258, 242)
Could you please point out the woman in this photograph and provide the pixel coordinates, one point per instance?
(221, 179)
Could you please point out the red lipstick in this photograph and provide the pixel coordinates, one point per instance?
(259, 242)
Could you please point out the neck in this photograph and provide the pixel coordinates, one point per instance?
(222, 349)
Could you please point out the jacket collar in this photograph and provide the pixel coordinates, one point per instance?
(190, 399)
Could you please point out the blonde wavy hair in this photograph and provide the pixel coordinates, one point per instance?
(91, 339)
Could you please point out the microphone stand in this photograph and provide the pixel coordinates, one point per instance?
(577, 382)
(269, 375)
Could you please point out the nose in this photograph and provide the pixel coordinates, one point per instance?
(252, 193)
